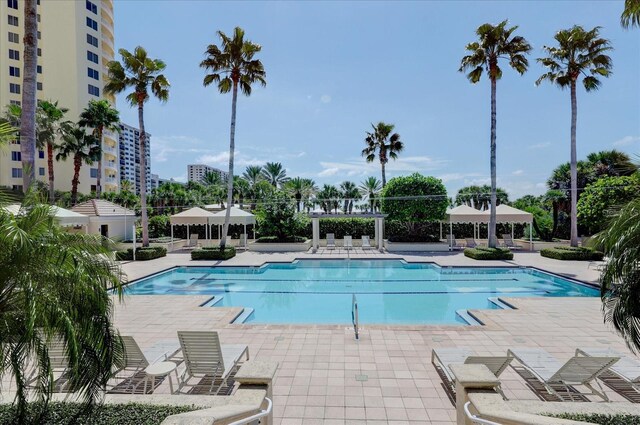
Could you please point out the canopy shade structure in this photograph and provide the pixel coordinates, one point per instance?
(64, 217)
(193, 215)
(507, 214)
(237, 216)
(465, 214)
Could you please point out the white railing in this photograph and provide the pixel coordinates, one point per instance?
(260, 414)
(354, 316)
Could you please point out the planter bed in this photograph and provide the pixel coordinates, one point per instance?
(280, 246)
(213, 253)
(416, 246)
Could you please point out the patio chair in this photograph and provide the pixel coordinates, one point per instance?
(193, 241)
(453, 243)
(549, 372)
(366, 242)
(242, 243)
(509, 243)
(470, 243)
(128, 376)
(331, 241)
(204, 357)
(624, 375)
(443, 358)
(348, 242)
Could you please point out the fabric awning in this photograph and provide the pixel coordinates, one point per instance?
(465, 214)
(64, 217)
(191, 216)
(507, 214)
(238, 216)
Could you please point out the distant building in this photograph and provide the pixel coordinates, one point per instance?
(196, 172)
(155, 181)
(163, 181)
(129, 139)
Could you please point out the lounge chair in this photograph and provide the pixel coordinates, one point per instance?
(453, 243)
(576, 371)
(470, 243)
(509, 243)
(331, 241)
(366, 242)
(348, 242)
(242, 243)
(193, 241)
(443, 358)
(626, 369)
(204, 357)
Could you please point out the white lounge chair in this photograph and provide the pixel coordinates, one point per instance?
(205, 357)
(576, 371)
(627, 368)
(509, 243)
(331, 241)
(470, 243)
(443, 358)
(193, 241)
(348, 242)
(453, 243)
(242, 243)
(366, 242)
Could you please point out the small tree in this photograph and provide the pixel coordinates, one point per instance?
(277, 217)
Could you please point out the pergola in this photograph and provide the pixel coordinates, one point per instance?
(237, 216)
(378, 226)
(193, 216)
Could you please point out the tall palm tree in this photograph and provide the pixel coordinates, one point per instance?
(211, 179)
(274, 173)
(29, 102)
(54, 285)
(631, 15)
(495, 42)
(83, 148)
(370, 188)
(100, 116)
(241, 190)
(301, 189)
(144, 75)
(233, 66)
(583, 54)
(386, 145)
(126, 186)
(49, 123)
(253, 174)
(350, 193)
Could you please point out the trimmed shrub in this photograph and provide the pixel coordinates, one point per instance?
(275, 239)
(484, 253)
(142, 254)
(213, 253)
(124, 255)
(568, 253)
(600, 419)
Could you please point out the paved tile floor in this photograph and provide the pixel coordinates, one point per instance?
(326, 377)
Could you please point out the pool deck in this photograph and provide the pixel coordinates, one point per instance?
(326, 377)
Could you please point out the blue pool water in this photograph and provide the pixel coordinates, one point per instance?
(387, 291)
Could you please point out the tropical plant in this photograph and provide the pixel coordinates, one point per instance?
(415, 198)
(82, 147)
(370, 188)
(211, 179)
(233, 66)
(631, 15)
(277, 217)
(301, 189)
(350, 193)
(385, 144)
(126, 186)
(143, 74)
(495, 43)
(479, 197)
(611, 163)
(49, 122)
(100, 116)
(275, 174)
(328, 198)
(241, 190)
(7, 133)
(54, 286)
(583, 54)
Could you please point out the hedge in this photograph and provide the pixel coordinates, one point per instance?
(213, 253)
(142, 254)
(108, 414)
(274, 239)
(484, 253)
(600, 418)
(568, 253)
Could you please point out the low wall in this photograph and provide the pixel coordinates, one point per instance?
(539, 245)
(280, 247)
(416, 246)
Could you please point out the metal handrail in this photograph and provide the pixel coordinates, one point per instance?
(258, 415)
(474, 418)
(354, 316)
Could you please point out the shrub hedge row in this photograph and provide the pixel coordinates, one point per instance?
(572, 253)
(142, 254)
(600, 418)
(274, 239)
(484, 253)
(213, 253)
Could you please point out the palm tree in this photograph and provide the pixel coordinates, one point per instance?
(301, 189)
(495, 43)
(232, 66)
(329, 198)
(274, 173)
(350, 193)
(631, 15)
(83, 148)
(387, 146)
(579, 53)
(253, 174)
(100, 116)
(211, 179)
(48, 125)
(241, 189)
(126, 186)
(143, 74)
(370, 188)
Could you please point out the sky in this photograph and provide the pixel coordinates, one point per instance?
(333, 68)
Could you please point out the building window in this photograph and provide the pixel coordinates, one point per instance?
(39, 86)
(94, 188)
(94, 173)
(15, 102)
(16, 156)
(92, 40)
(41, 154)
(16, 173)
(92, 7)
(14, 88)
(41, 171)
(39, 52)
(38, 17)
(93, 73)
(93, 90)
(14, 71)
(13, 4)
(39, 69)
(14, 38)
(14, 54)
(13, 20)
(92, 24)
(17, 187)
(92, 57)
(39, 35)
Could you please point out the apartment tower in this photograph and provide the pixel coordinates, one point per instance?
(75, 42)
(129, 151)
(196, 172)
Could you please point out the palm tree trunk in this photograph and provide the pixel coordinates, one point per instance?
(384, 175)
(99, 178)
(574, 167)
(232, 147)
(492, 215)
(77, 163)
(52, 192)
(29, 103)
(143, 176)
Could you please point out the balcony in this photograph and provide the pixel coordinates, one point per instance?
(111, 164)
(112, 180)
(107, 9)
(107, 41)
(107, 28)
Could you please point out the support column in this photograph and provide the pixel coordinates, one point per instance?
(531, 236)
(440, 230)
(315, 233)
(470, 377)
(451, 236)
(171, 236)
(258, 375)
(188, 234)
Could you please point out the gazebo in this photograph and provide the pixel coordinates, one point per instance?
(378, 226)
(506, 214)
(237, 216)
(64, 217)
(193, 216)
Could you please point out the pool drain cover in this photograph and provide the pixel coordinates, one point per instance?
(362, 378)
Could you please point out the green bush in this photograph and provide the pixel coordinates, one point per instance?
(568, 253)
(274, 239)
(600, 418)
(142, 254)
(484, 253)
(124, 255)
(159, 226)
(278, 217)
(213, 253)
(108, 414)
(403, 199)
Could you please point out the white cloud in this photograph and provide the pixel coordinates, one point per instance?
(449, 177)
(518, 172)
(164, 148)
(540, 145)
(222, 159)
(627, 140)
(358, 167)
(328, 172)
(325, 98)
(182, 178)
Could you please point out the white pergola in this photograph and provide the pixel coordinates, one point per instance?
(193, 216)
(236, 216)
(378, 226)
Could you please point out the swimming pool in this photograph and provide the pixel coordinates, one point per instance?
(387, 291)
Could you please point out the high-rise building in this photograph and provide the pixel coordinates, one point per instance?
(196, 172)
(155, 181)
(130, 157)
(75, 42)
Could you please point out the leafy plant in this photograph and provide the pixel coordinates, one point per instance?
(567, 253)
(386, 143)
(213, 253)
(414, 198)
(277, 217)
(485, 253)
